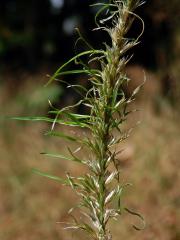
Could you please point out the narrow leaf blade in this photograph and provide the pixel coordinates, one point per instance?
(36, 171)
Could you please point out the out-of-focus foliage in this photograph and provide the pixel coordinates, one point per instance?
(170, 9)
(33, 32)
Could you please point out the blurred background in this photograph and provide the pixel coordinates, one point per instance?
(36, 37)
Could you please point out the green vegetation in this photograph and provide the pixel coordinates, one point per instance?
(33, 207)
(100, 188)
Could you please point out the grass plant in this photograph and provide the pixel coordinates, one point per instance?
(100, 189)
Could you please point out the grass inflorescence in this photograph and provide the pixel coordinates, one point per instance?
(100, 189)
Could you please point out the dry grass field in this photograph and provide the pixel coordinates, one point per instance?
(31, 206)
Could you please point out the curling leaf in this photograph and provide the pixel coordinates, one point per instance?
(138, 215)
